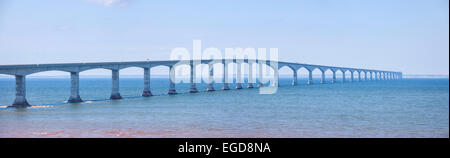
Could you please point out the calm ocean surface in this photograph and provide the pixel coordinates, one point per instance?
(406, 108)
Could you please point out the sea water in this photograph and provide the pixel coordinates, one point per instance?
(390, 108)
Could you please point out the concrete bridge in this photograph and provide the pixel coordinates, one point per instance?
(21, 71)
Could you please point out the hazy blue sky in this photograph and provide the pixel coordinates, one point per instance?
(401, 35)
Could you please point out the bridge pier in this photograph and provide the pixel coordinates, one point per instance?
(172, 90)
(322, 81)
(376, 76)
(365, 76)
(250, 75)
(75, 88)
(359, 76)
(21, 100)
(343, 76)
(238, 76)
(310, 78)
(333, 80)
(276, 78)
(352, 76)
(147, 92)
(260, 74)
(211, 78)
(225, 76)
(193, 88)
(115, 85)
(294, 80)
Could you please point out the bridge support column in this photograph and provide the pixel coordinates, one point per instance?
(20, 101)
(322, 81)
(365, 76)
(238, 76)
(371, 76)
(294, 80)
(333, 80)
(343, 76)
(172, 90)
(276, 78)
(147, 92)
(225, 76)
(74, 88)
(211, 78)
(193, 88)
(250, 75)
(376, 76)
(352, 76)
(359, 76)
(115, 85)
(260, 74)
(310, 78)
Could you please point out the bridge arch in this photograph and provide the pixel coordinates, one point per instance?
(159, 81)
(203, 73)
(55, 81)
(49, 73)
(288, 73)
(94, 79)
(328, 75)
(316, 75)
(268, 72)
(339, 75)
(135, 76)
(302, 74)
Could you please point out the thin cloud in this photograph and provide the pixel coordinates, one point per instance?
(109, 3)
